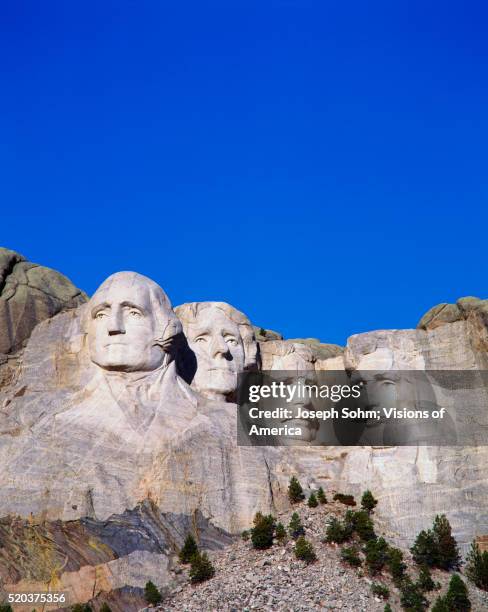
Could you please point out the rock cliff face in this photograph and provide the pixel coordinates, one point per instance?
(29, 294)
(415, 483)
(109, 456)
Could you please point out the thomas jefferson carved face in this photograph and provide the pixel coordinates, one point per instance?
(128, 318)
(223, 342)
(217, 344)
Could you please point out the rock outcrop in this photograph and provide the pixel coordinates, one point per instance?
(29, 294)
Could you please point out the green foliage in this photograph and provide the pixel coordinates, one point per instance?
(152, 594)
(424, 549)
(477, 566)
(347, 500)
(380, 590)
(350, 555)
(322, 499)
(80, 608)
(189, 549)
(295, 527)
(304, 550)
(245, 535)
(376, 552)
(362, 524)
(387, 608)
(396, 565)
(440, 605)
(448, 553)
(295, 491)
(436, 547)
(425, 582)
(263, 531)
(5, 608)
(280, 532)
(368, 502)
(312, 501)
(201, 568)
(337, 532)
(105, 607)
(411, 597)
(456, 598)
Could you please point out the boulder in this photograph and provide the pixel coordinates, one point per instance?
(29, 294)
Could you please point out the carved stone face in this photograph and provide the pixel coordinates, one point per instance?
(302, 373)
(292, 364)
(122, 327)
(217, 343)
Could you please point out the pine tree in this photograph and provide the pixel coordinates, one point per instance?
(295, 527)
(152, 594)
(312, 501)
(440, 605)
(295, 491)
(321, 496)
(280, 532)
(189, 549)
(263, 531)
(368, 502)
(105, 607)
(5, 608)
(477, 566)
(424, 549)
(376, 555)
(336, 532)
(380, 590)
(387, 608)
(362, 524)
(425, 581)
(80, 608)
(411, 597)
(448, 552)
(201, 568)
(304, 550)
(350, 555)
(396, 565)
(456, 598)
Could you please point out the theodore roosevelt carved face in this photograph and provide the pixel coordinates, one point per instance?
(223, 342)
(293, 363)
(130, 324)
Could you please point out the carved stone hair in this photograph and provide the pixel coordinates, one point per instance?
(188, 313)
(279, 349)
(168, 326)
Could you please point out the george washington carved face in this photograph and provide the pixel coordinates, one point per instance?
(129, 322)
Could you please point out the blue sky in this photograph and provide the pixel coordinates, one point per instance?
(320, 165)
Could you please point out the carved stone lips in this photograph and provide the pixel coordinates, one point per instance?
(311, 423)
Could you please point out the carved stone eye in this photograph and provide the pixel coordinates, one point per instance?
(135, 314)
(100, 315)
(230, 340)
